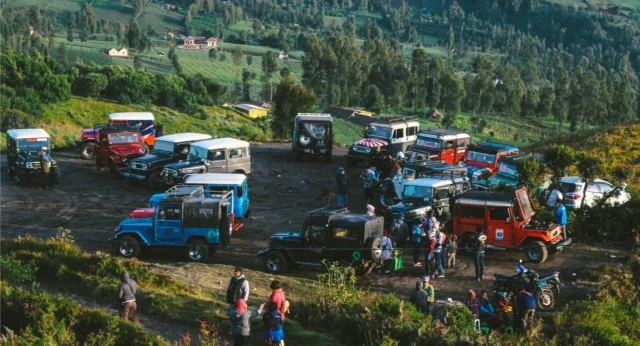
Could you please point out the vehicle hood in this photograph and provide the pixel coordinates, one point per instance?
(411, 211)
(474, 167)
(186, 165)
(495, 181)
(153, 159)
(90, 132)
(138, 223)
(127, 150)
(32, 156)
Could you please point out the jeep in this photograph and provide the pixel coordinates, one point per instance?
(144, 121)
(333, 235)
(197, 225)
(506, 174)
(398, 133)
(167, 149)
(485, 156)
(23, 161)
(449, 145)
(312, 135)
(424, 169)
(116, 144)
(507, 219)
(222, 155)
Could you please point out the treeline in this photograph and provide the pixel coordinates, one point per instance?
(29, 81)
(377, 77)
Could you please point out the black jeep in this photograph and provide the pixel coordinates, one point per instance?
(334, 235)
(23, 161)
(312, 135)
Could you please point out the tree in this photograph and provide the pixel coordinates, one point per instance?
(90, 85)
(624, 102)
(434, 88)
(531, 172)
(246, 87)
(71, 24)
(133, 34)
(213, 54)
(249, 60)
(237, 56)
(62, 54)
(223, 56)
(589, 167)
(452, 94)
(547, 99)
(560, 104)
(375, 100)
(530, 102)
(137, 62)
(419, 74)
(511, 87)
(577, 103)
(557, 159)
(290, 99)
(269, 67)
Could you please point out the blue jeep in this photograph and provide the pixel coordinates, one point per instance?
(216, 184)
(186, 220)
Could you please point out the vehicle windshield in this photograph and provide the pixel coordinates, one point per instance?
(33, 144)
(378, 131)
(418, 191)
(481, 157)
(569, 187)
(431, 143)
(507, 169)
(197, 153)
(123, 138)
(163, 148)
(316, 130)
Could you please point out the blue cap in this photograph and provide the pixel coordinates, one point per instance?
(400, 216)
(425, 278)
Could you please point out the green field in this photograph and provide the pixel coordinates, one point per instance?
(161, 20)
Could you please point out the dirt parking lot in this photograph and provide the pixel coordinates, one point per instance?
(91, 204)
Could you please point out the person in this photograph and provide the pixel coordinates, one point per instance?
(399, 230)
(377, 158)
(505, 310)
(45, 168)
(478, 242)
(343, 187)
(416, 237)
(526, 306)
(369, 177)
(388, 190)
(431, 293)
(238, 287)
(472, 303)
(240, 319)
(127, 297)
(387, 250)
(429, 246)
(272, 320)
(452, 248)
(278, 297)
(388, 215)
(429, 222)
(561, 217)
(371, 210)
(485, 305)
(439, 238)
(554, 195)
(418, 297)
(400, 159)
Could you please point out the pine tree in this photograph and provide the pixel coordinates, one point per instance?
(71, 24)
(562, 93)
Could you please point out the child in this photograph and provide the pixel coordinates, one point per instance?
(451, 250)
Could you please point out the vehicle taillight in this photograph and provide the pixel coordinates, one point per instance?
(573, 196)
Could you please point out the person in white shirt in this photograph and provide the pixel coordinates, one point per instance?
(387, 250)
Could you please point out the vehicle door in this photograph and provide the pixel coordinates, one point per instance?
(168, 225)
(441, 200)
(469, 217)
(217, 161)
(500, 228)
(411, 136)
(593, 194)
(239, 160)
(242, 201)
(397, 141)
(313, 240)
(448, 153)
(345, 242)
(408, 174)
(461, 149)
(606, 190)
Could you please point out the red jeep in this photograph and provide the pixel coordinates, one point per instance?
(117, 145)
(507, 219)
(449, 145)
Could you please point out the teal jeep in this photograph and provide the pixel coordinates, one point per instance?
(188, 221)
(23, 161)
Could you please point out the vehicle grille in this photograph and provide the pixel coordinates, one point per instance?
(361, 149)
(140, 166)
(171, 172)
(34, 165)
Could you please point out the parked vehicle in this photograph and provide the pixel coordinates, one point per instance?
(221, 155)
(116, 144)
(544, 296)
(485, 156)
(507, 219)
(425, 169)
(167, 149)
(424, 194)
(23, 161)
(312, 135)
(506, 174)
(398, 133)
(573, 191)
(333, 235)
(449, 145)
(195, 224)
(144, 121)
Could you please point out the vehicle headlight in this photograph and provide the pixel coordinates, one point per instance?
(53, 163)
(117, 229)
(304, 140)
(181, 171)
(148, 165)
(125, 160)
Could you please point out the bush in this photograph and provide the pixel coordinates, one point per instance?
(90, 85)
(15, 119)
(16, 271)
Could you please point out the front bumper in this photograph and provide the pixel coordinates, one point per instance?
(313, 151)
(357, 157)
(134, 174)
(560, 245)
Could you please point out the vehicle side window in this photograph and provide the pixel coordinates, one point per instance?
(594, 188)
(240, 191)
(316, 233)
(448, 145)
(472, 212)
(499, 214)
(605, 188)
(398, 133)
(461, 143)
(411, 131)
(182, 149)
(345, 233)
(442, 193)
(169, 213)
(236, 153)
(409, 174)
(199, 216)
(216, 155)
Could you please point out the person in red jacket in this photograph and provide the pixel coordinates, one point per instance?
(278, 297)
(429, 245)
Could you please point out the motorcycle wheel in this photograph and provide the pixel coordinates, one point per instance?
(554, 286)
(545, 300)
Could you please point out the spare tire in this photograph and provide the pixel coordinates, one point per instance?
(373, 249)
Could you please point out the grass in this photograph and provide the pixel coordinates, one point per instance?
(161, 20)
(346, 132)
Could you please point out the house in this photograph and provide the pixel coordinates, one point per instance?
(212, 42)
(198, 42)
(33, 32)
(282, 55)
(251, 110)
(357, 116)
(170, 36)
(169, 7)
(265, 105)
(124, 52)
(435, 116)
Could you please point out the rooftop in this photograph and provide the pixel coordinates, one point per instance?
(215, 179)
(488, 196)
(248, 107)
(444, 131)
(131, 116)
(394, 120)
(183, 137)
(219, 143)
(28, 133)
(492, 148)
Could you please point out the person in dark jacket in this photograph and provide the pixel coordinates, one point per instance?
(526, 305)
(127, 297)
(485, 305)
(473, 303)
(418, 297)
(342, 180)
(238, 287)
(272, 320)
(45, 168)
(240, 322)
(399, 231)
(479, 244)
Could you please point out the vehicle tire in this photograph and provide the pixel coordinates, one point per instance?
(536, 251)
(196, 251)
(275, 263)
(128, 247)
(545, 299)
(87, 150)
(145, 147)
(554, 286)
(114, 171)
(154, 183)
(373, 250)
(362, 270)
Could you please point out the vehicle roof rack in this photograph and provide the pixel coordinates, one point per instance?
(444, 130)
(183, 192)
(327, 212)
(443, 175)
(393, 120)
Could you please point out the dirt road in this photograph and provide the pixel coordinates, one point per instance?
(91, 204)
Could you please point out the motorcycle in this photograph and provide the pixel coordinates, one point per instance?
(544, 296)
(551, 280)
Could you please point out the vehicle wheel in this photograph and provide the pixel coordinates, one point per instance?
(196, 251)
(545, 299)
(87, 150)
(226, 230)
(275, 263)
(373, 250)
(536, 251)
(145, 147)
(154, 182)
(554, 286)
(364, 269)
(128, 247)
(114, 171)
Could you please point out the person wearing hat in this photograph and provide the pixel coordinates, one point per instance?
(342, 181)
(238, 287)
(431, 292)
(473, 303)
(399, 230)
(371, 210)
(561, 217)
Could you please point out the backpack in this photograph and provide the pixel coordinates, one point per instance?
(235, 290)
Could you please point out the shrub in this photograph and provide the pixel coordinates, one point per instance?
(90, 85)
(16, 271)
(15, 119)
